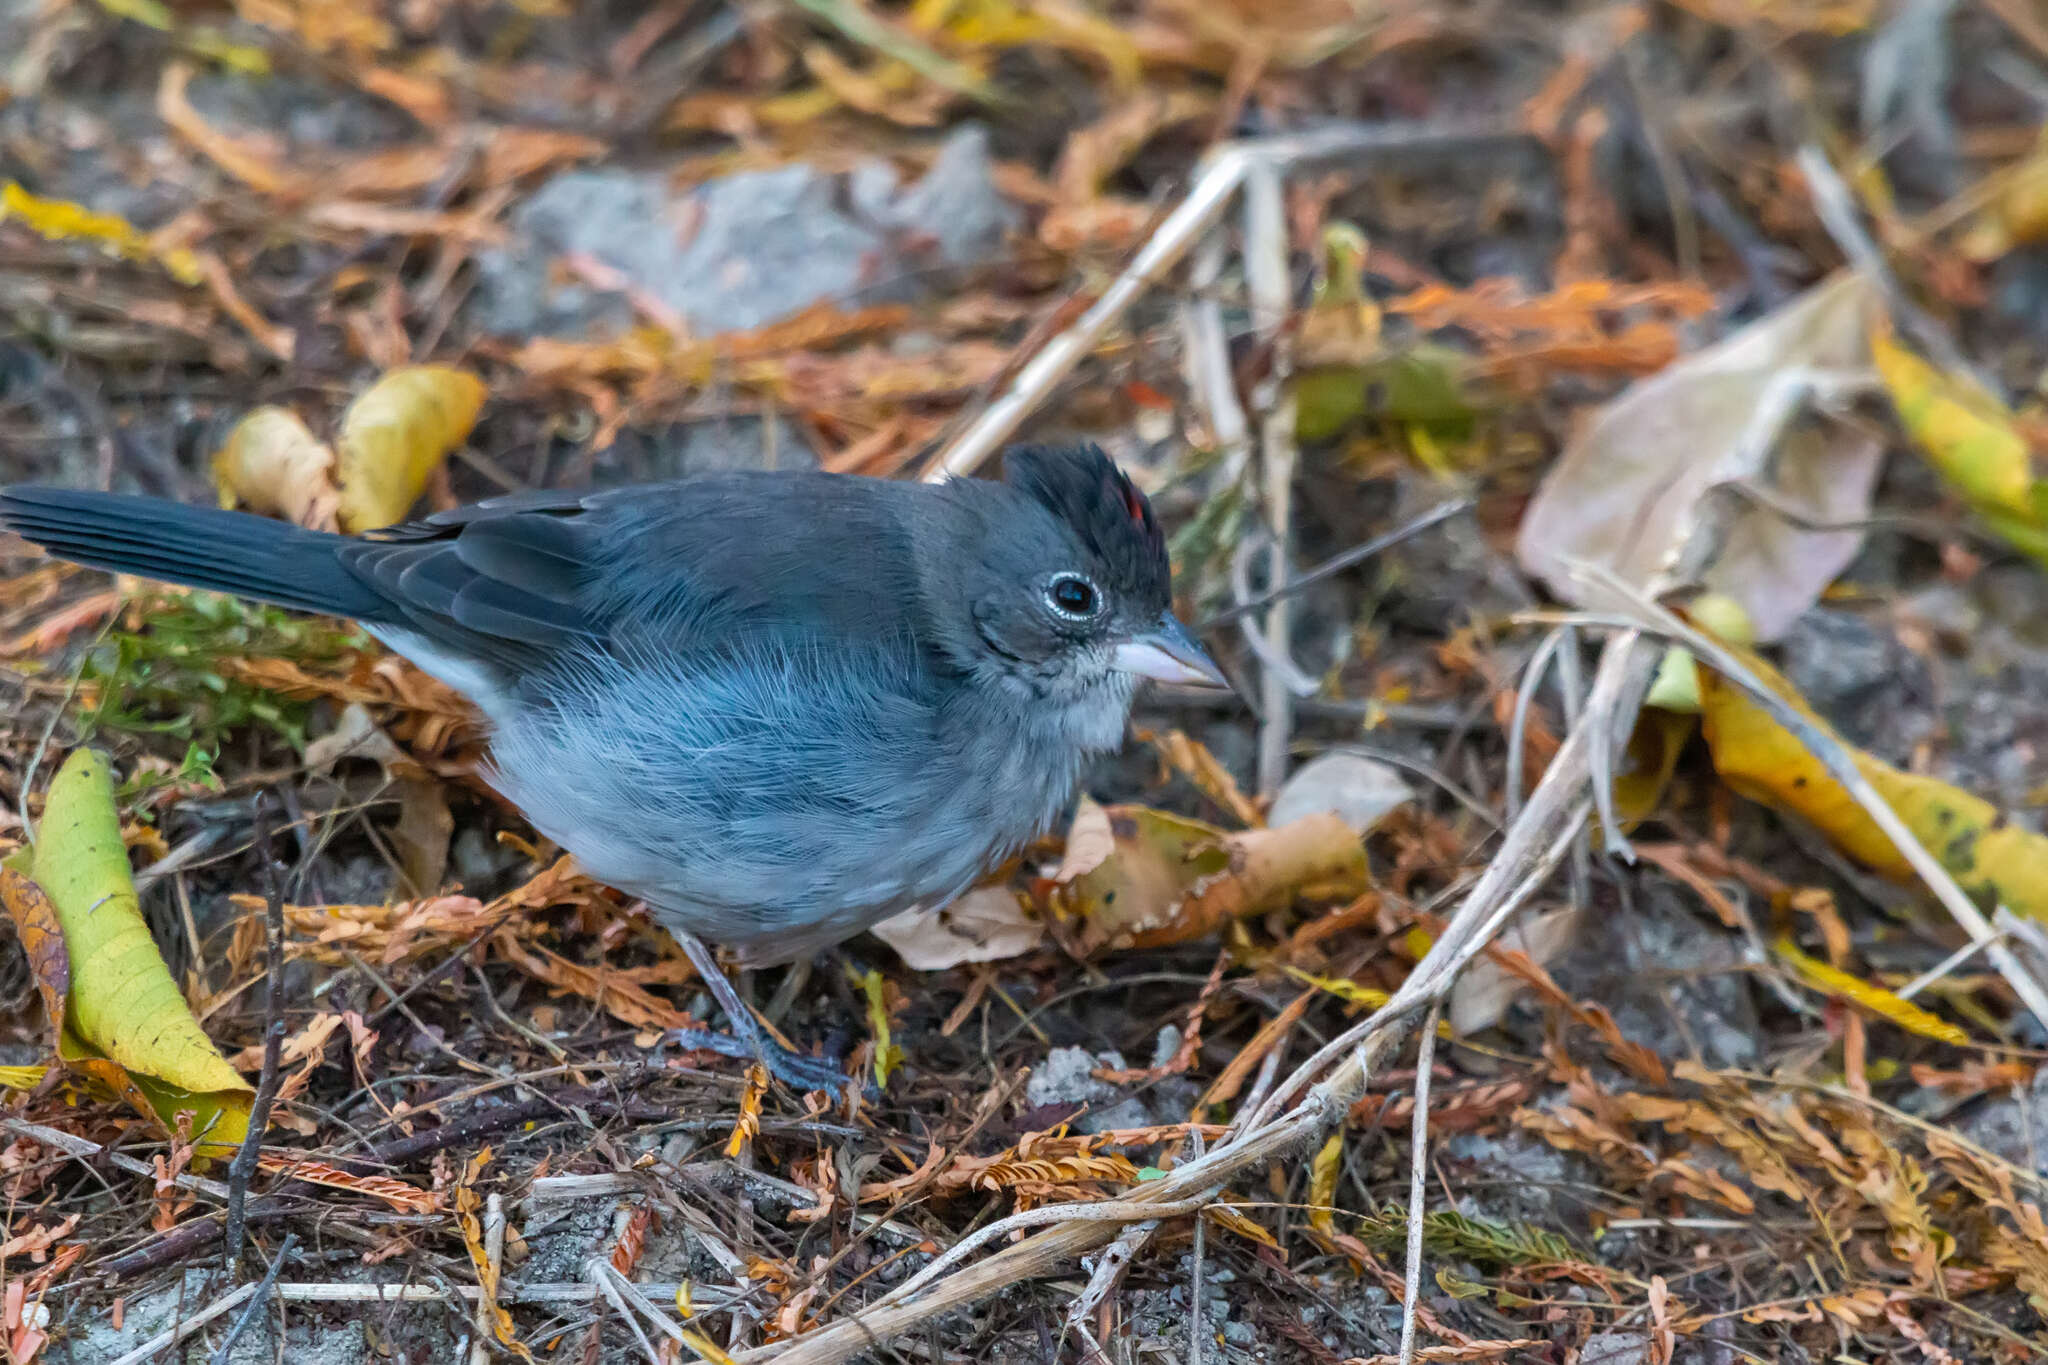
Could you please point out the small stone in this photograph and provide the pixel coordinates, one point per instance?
(1615, 1348)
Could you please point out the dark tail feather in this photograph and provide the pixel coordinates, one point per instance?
(200, 547)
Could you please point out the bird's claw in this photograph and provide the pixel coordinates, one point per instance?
(800, 1073)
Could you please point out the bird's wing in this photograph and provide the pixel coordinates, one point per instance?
(503, 581)
(680, 567)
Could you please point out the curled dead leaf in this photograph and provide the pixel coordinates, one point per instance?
(396, 434)
(273, 464)
(1169, 879)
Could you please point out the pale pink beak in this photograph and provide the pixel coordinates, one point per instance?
(1169, 654)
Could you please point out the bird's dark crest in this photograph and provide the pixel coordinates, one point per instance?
(1083, 487)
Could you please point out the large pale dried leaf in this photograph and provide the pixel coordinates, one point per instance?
(1359, 791)
(987, 924)
(1627, 492)
(273, 464)
(395, 435)
(126, 1023)
(1486, 988)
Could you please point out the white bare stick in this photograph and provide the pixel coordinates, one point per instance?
(1109, 1272)
(1418, 1170)
(1108, 1211)
(487, 1284)
(599, 1269)
(1266, 280)
(1215, 182)
(1207, 357)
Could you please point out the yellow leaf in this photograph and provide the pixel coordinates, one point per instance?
(1995, 860)
(1966, 433)
(149, 12)
(1228, 1218)
(1653, 751)
(396, 434)
(22, 1077)
(126, 1023)
(888, 1056)
(1343, 988)
(59, 220)
(1047, 23)
(272, 464)
(747, 1125)
(1876, 999)
(1322, 1185)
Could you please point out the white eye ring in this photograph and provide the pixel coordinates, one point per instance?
(1073, 596)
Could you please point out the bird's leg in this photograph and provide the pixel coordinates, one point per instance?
(749, 1041)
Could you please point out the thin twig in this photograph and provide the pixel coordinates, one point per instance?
(1198, 1314)
(261, 1297)
(1205, 350)
(1215, 183)
(487, 1284)
(1834, 202)
(1343, 560)
(178, 1331)
(243, 1168)
(1418, 1169)
(1107, 1211)
(1267, 282)
(600, 1277)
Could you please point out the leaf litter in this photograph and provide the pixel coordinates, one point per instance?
(1784, 1095)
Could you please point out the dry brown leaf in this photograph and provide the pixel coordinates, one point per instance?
(1627, 492)
(988, 924)
(255, 161)
(399, 1195)
(617, 996)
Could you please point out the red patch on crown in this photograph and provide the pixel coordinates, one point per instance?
(1134, 504)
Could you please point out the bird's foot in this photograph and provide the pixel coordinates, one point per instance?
(795, 1070)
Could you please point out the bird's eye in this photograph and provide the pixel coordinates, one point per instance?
(1071, 595)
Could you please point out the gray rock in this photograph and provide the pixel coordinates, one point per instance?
(2016, 1129)
(1869, 686)
(1615, 1348)
(1517, 1178)
(746, 249)
(1063, 1078)
(1672, 979)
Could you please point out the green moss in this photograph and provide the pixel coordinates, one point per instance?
(165, 679)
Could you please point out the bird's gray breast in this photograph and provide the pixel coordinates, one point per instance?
(782, 794)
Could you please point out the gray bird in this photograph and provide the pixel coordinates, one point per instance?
(777, 707)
